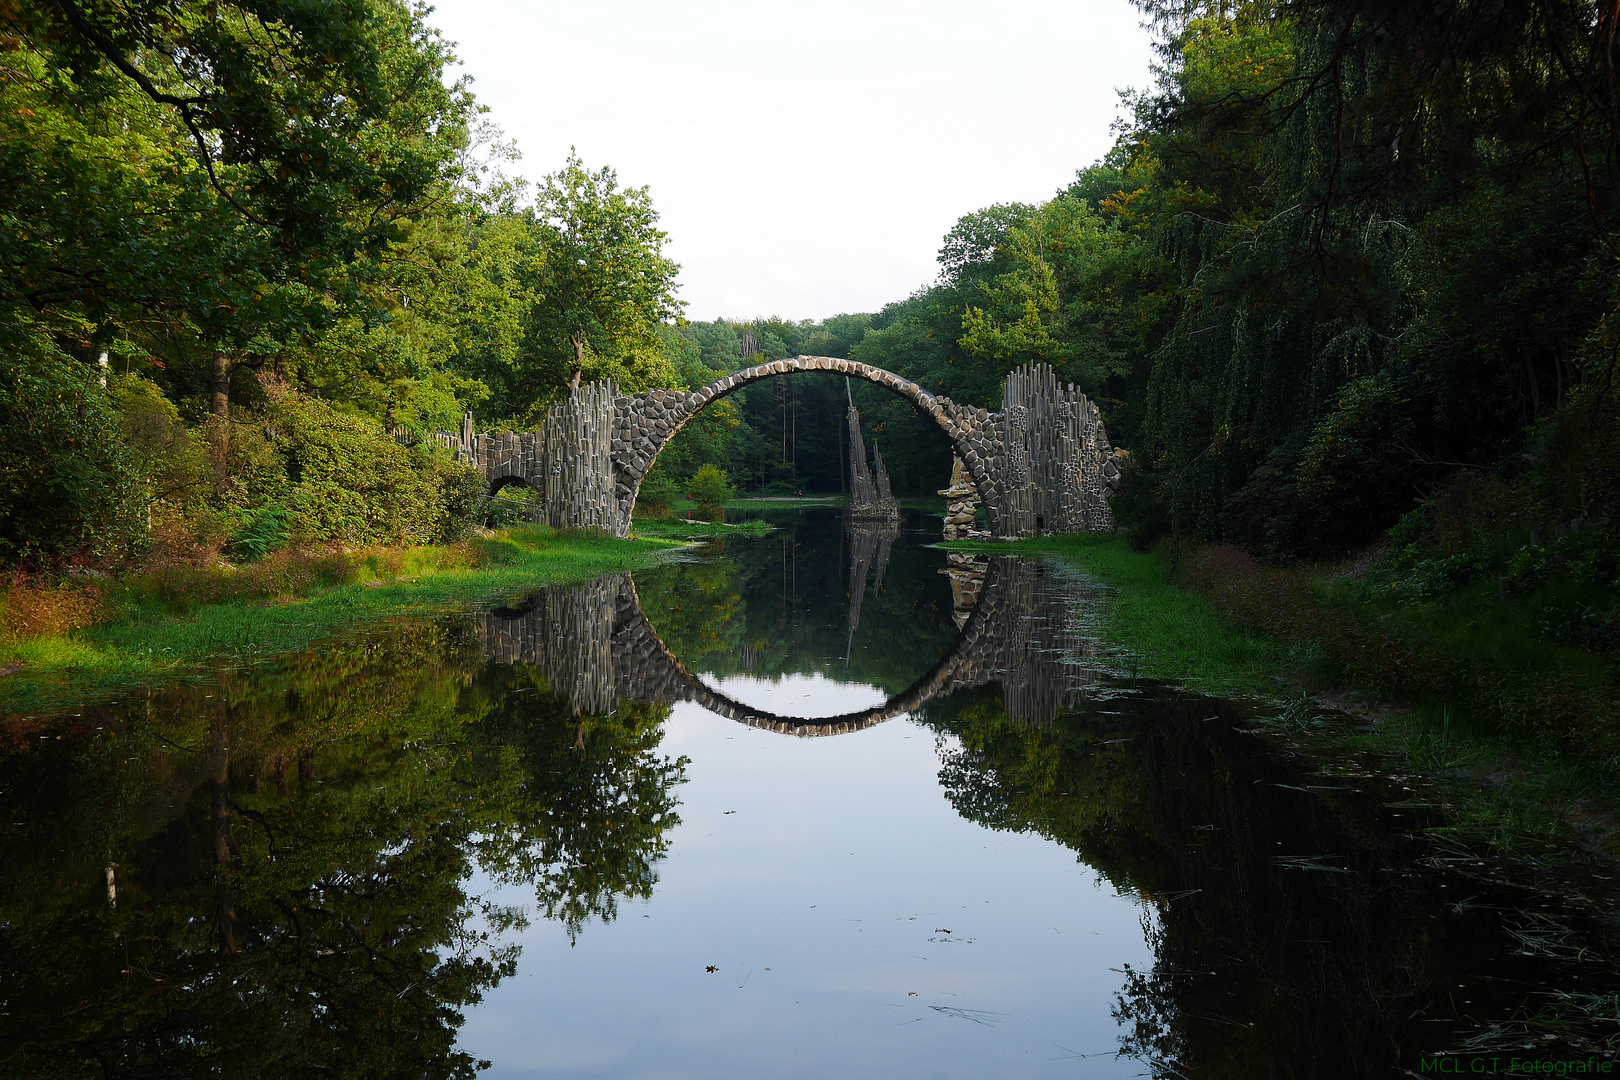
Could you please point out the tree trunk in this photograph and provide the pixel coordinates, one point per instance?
(219, 433)
(221, 385)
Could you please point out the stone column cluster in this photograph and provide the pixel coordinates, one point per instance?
(962, 506)
(870, 497)
(1058, 471)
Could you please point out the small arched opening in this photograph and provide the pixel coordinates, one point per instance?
(511, 500)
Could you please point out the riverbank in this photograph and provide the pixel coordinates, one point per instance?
(1481, 713)
(96, 638)
(683, 528)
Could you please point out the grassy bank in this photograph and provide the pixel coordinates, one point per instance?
(1461, 691)
(680, 528)
(174, 624)
(1170, 633)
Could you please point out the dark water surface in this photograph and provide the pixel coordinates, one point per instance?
(736, 816)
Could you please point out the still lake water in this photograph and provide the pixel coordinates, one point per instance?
(828, 802)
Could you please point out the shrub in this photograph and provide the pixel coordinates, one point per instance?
(68, 483)
(1138, 509)
(30, 609)
(461, 491)
(170, 462)
(266, 532)
(711, 512)
(351, 482)
(710, 487)
(657, 492)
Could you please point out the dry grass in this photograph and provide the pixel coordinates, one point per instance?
(175, 582)
(31, 608)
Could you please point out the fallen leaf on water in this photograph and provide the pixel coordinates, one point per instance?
(711, 967)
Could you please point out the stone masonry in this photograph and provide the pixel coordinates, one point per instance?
(1043, 464)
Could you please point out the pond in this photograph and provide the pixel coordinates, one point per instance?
(825, 802)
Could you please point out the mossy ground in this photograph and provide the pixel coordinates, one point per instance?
(152, 640)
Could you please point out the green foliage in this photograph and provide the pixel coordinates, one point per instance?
(185, 178)
(268, 530)
(69, 485)
(348, 482)
(657, 492)
(710, 486)
(460, 491)
(600, 288)
(169, 459)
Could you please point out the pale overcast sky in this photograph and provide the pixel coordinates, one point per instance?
(805, 158)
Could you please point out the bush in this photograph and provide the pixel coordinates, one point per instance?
(69, 487)
(461, 491)
(711, 512)
(31, 609)
(170, 462)
(657, 492)
(350, 482)
(710, 487)
(1138, 509)
(266, 532)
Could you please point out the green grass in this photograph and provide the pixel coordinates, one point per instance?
(1171, 634)
(745, 502)
(150, 644)
(678, 528)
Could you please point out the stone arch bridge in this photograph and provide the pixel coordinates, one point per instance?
(1042, 464)
(1025, 627)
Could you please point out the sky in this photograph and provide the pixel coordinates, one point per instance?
(806, 159)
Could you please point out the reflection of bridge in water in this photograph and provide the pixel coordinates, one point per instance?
(1023, 624)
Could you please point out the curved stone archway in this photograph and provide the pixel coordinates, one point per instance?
(1042, 464)
(511, 480)
(645, 422)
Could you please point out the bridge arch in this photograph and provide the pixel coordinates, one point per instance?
(645, 422)
(509, 480)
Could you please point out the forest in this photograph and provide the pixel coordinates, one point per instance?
(1347, 269)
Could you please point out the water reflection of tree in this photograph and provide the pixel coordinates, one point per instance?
(268, 876)
(596, 803)
(1290, 933)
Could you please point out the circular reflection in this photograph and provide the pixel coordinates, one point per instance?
(772, 635)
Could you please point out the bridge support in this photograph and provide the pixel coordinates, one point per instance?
(1041, 465)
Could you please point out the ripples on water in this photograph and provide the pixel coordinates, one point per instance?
(816, 804)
